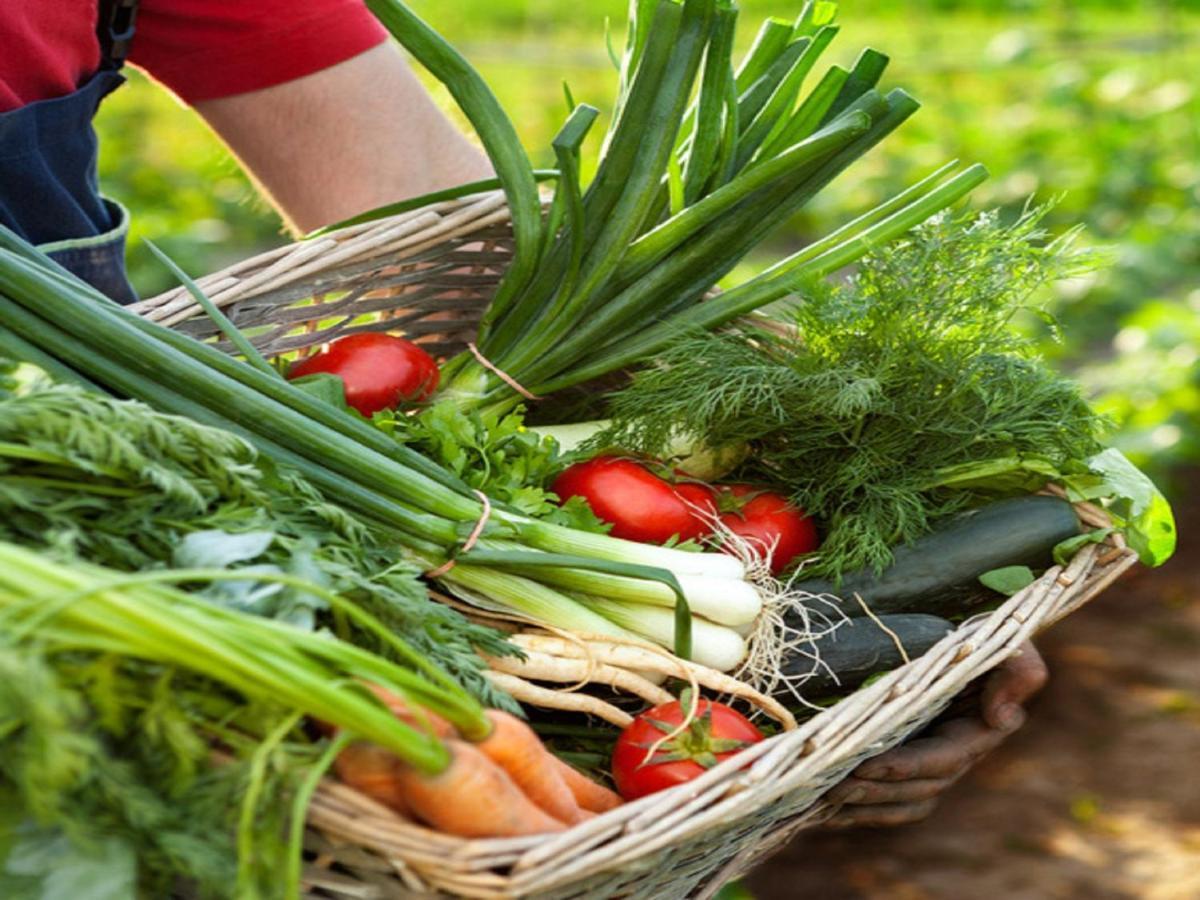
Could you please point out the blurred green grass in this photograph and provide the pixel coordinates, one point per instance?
(1094, 103)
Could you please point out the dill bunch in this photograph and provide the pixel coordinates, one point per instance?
(890, 400)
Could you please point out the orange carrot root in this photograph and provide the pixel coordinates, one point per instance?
(474, 797)
(593, 797)
(371, 770)
(424, 720)
(515, 747)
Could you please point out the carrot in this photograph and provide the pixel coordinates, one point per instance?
(514, 747)
(473, 797)
(424, 720)
(371, 770)
(591, 796)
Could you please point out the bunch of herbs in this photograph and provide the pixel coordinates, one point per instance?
(876, 400)
(115, 483)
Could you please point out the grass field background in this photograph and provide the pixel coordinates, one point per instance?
(1094, 103)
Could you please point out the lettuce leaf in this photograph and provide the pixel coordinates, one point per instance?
(1132, 499)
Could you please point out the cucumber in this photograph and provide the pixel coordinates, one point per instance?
(939, 573)
(858, 648)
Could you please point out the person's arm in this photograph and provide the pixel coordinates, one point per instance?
(349, 138)
(904, 784)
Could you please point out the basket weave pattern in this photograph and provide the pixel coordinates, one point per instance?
(428, 274)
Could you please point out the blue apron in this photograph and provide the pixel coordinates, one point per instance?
(48, 183)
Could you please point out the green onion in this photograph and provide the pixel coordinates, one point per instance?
(315, 674)
(493, 126)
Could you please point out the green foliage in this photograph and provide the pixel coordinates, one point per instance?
(99, 756)
(120, 485)
(1135, 503)
(901, 381)
(1151, 381)
(497, 455)
(43, 864)
(1008, 580)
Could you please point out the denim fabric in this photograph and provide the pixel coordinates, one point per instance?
(99, 260)
(48, 186)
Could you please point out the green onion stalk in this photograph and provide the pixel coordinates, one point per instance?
(79, 607)
(703, 158)
(539, 571)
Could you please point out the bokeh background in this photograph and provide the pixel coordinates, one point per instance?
(1094, 103)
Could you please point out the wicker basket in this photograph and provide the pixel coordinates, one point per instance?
(427, 274)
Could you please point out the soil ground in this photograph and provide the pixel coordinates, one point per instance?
(1097, 798)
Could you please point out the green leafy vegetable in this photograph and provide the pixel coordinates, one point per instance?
(1008, 580)
(119, 484)
(889, 401)
(496, 454)
(1067, 549)
(1134, 503)
(43, 864)
(94, 762)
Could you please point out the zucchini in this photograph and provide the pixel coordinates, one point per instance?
(858, 648)
(939, 573)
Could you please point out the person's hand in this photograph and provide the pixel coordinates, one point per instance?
(903, 785)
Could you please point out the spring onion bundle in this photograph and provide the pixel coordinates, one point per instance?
(426, 511)
(683, 191)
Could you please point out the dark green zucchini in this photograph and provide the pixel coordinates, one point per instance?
(939, 573)
(858, 648)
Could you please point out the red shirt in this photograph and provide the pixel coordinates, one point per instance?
(200, 49)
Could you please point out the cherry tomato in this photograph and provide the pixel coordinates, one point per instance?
(768, 520)
(639, 505)
(715, 734)
(379, 371)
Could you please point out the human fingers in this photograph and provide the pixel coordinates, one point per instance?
(946, 753)
(1009, 687)
(864, 792)
(881, 816)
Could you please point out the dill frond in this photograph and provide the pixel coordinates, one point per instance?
(879, 385)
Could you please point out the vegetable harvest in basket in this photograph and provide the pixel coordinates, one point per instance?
(189, 538)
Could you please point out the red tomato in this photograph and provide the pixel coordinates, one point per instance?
(767, 519)
(379, 371)
(716, 733)
(639, 505)
(701, 500)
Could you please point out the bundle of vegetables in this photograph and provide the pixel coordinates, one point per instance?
(118, 484)
(887, 402)
(897, 410)
(564, 576)
(683, 191)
